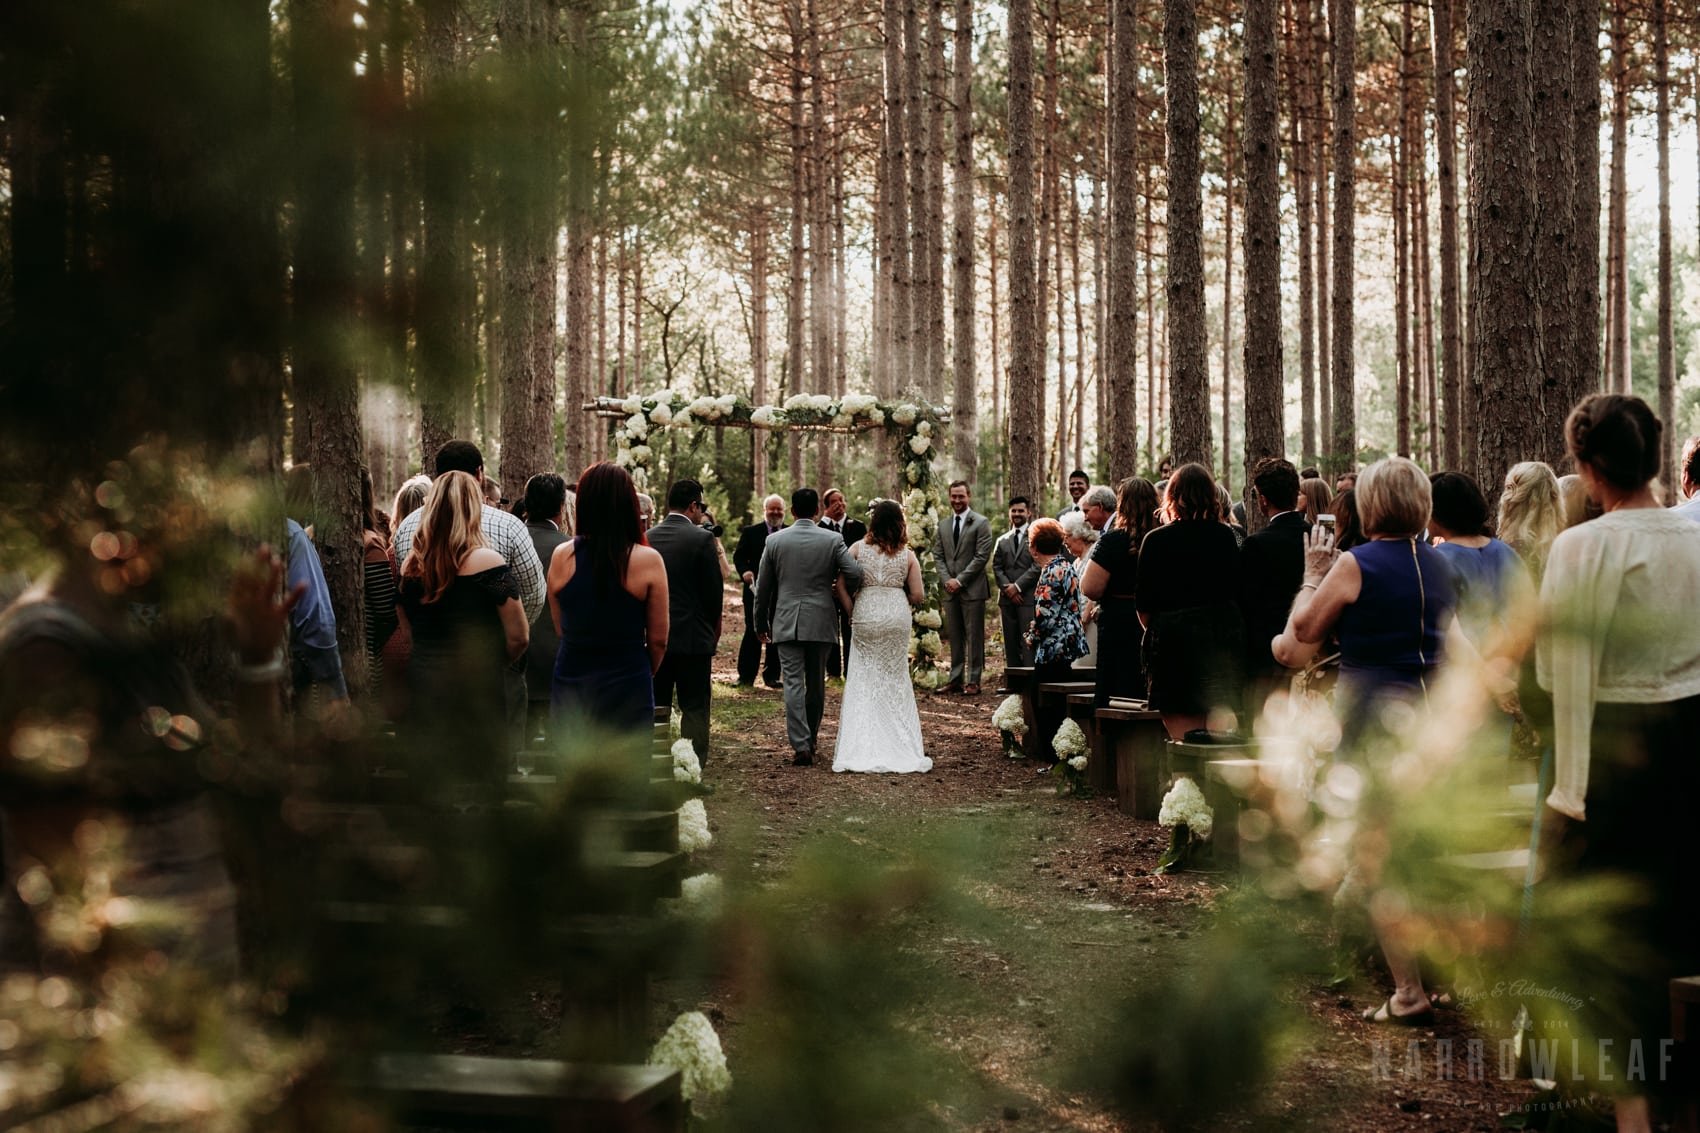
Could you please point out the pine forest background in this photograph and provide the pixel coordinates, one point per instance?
(343, 231)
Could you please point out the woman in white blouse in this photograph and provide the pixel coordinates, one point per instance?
(1620, 653)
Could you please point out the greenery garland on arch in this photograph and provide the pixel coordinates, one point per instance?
(911, 424)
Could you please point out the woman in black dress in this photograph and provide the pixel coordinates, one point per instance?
(1109, 581)
(1184, 586)
(462, 605)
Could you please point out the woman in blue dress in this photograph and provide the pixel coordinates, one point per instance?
(608, 599)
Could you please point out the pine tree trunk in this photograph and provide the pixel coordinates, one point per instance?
(758, 340)
(1505, 298)
(1265, 393)
(1617, 265)
(1343, 446)
(527, 332)
(1401, 245)
(1300, 125)
(1584, 370)
(1078, 431)
(581, 231)
(1228, 148)
(1026, 397)
(1451, 340)
(1153, 410)
(796, 279)
(1667, 350)
(1189, 380)
(322, 52)
(1557, 170)
(820, 217)
(444, 304)
(1320, 141)
(922, 262)
(965, 425)
(936, 117)
(897, 371)
(1122, 317)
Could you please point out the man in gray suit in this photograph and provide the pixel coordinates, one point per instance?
(695, 597)
(964, 548)
(795, 610)
(1018, 577)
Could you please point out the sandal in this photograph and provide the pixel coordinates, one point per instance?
(1385, 1014)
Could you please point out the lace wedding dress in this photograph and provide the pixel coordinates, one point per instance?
(879, 729)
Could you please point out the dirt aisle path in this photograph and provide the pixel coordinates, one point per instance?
(952, 950)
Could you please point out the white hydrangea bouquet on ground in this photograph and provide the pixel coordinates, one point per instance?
(686, 767)
(694, 834)
(1071, 748)
(1011, 725)
(691, 1047)
(1191, 821)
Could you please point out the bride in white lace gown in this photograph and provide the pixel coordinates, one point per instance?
(879, 729)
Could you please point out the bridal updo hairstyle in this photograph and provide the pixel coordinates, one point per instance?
(608, 523)
(1616, 436)
(1045, 537)
(886, 528)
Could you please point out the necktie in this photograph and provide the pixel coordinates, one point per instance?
(956, 536)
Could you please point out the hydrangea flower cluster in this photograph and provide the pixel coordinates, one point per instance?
(1070, 743)
(694, 834)
(691, 1047)
(1008, 717)
(1184, 805)
(686, 767)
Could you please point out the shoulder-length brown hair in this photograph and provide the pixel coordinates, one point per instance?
(450, 528)
(1191, 494)
(608, 523)
(887, 529)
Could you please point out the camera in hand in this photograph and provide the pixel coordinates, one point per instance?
(712, 525)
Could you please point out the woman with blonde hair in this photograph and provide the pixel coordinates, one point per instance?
(1531, 513)
(462, 605)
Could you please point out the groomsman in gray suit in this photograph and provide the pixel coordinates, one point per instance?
(1018, 577)
(964, 549)
(796, 610)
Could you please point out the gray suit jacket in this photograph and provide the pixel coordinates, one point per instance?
(794, 600)
(966, 560)
(1012, 562)
(694, 590)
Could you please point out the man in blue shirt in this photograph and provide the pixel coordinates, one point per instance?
(314, 659)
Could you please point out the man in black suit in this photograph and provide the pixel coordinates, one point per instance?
(1271, 568)
(694, 602)
(752, 541)
(834, 509)
(545, 505)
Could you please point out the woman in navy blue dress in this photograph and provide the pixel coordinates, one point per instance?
(608, 598)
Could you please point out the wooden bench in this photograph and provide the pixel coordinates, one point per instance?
(1051, 694)
(1685, 1029)
(461, 1092)
(1131, 741)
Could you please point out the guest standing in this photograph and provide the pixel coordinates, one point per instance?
(379, 577)
(1690, 480)
(752, 540)
(609, 599)
(834, 516)
(1186, 586)
(1017, 575)
(1109, 581)
(695, 598)
(462, 605)
(1348, 525)
(1272, 564)
(964, 549)
(1531, 514)
(1056, 635)
(1078, 483)
(545, 509)
(1391, 602)
(1620, 653)
(1314, 498)
(1080, 540)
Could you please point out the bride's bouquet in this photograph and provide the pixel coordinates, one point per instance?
(1011, 725)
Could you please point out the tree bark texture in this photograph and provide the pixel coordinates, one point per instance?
(1299, 128)
(1026, 396)
(1584, 369)
(1343, 445)
(1666, 347)
(1265, 395)
(1122, 316)
(898, 371)
(965, 424)
(1446, 173)
(1189, 379)
(1617, 265)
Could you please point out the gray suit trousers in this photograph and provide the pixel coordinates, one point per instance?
(965, 625)
(802, 665)
(1016, 619)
